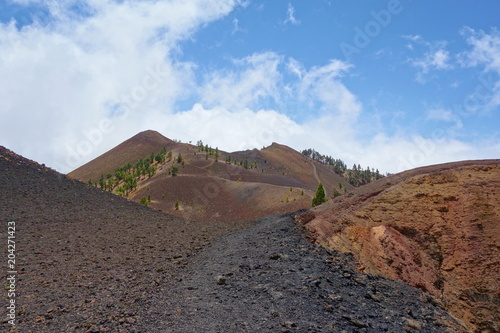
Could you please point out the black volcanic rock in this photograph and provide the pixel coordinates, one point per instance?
(274, 280)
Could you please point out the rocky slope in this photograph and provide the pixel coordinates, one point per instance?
(437, 228)
(87, 260)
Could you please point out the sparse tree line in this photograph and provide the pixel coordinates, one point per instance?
(338, 165)
(242, 163)
(125, 178)
(356, 176)
(209, 151)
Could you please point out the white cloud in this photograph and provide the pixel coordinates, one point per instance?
(485, 51)
(412, 39)
(445, 115)
(229, 130)
(436, 59)
(236, 27)
(61, 79)
(323, 84)
(291, 15)
(255, 78)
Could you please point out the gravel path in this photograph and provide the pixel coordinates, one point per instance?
(269, 278)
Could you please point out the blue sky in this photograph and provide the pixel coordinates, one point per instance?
(389, 84)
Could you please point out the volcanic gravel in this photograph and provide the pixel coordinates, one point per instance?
(90, 261)
(269, 278)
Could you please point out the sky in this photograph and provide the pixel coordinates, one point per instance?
(389, 84)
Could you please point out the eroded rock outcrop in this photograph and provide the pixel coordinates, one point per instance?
(436, 228)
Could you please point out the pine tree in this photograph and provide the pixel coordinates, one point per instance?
(319, 198)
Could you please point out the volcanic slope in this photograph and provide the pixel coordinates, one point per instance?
(131, 150)
(436, 228)
(230, 187)
(90, 261)
(87, 260)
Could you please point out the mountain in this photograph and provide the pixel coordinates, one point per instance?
(436, 228)
(213, 185)
(90, 261)
(131, 150)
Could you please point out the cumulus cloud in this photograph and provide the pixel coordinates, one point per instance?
(254, 79)
(77, 85)
(322, 84)
(60, 80)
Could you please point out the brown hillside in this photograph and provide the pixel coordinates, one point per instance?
(87, 260)
(131, 150)
(437, 228)
(278, 179)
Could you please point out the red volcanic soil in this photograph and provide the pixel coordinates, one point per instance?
(278, 179)
(436, 228)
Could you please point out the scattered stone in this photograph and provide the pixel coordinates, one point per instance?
(413, 324)
(220, 279)
(355, 321)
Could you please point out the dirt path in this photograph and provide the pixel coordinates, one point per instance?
(212, 162)
(317, 177)
(269, 278)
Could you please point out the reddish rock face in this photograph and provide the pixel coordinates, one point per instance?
(436, 228)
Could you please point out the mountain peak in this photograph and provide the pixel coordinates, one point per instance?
(150, 135)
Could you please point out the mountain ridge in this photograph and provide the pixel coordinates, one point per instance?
(197, 182)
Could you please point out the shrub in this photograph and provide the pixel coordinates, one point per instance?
(319, 198)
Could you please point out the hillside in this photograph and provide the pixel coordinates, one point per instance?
(131, 150)
(436, 228)
(229, 187)
(87, 258)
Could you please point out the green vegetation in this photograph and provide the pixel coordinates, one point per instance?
(338, 165)
(125, 178)
(319, 198)
(356, 176)
(144, 201)
(173, 170)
